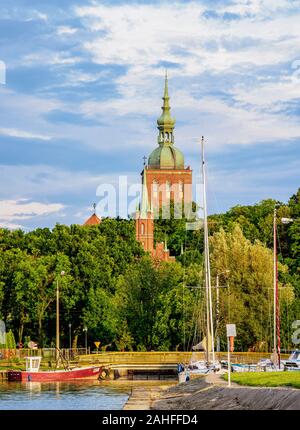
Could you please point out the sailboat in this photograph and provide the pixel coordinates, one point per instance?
(210, 363)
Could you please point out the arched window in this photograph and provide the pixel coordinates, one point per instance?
(168, 190)
(142, 228)
(155, 189)
(180, 189)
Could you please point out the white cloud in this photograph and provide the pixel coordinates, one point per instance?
(36, 180)
(11, 225)
(141, 36)
(269, 95)
(23, 209)
(50, 58)
(66, 30)
(22, 134)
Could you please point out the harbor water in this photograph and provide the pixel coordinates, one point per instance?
(75, 395)
(91, 395)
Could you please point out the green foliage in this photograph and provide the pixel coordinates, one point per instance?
(247, 269)
(10, 340)
(129, 303)
(267, 379)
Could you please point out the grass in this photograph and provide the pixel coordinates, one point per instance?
(267, 379)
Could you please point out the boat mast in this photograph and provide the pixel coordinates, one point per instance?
(209, 318)
(276, 300)
(57, 323)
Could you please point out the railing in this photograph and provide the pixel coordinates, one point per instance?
(129, 358)
(46, 353)
(123, 358)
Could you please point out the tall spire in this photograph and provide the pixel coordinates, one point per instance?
(166, 97)
(165, 122)
(145, 208)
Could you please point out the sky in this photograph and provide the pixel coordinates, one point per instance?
(80, 92)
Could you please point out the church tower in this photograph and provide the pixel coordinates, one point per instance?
(144, 225)
(167, 177)
(144, 228)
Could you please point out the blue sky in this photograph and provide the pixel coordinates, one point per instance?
(84, 81)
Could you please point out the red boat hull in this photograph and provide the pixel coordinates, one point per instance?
(55, 375)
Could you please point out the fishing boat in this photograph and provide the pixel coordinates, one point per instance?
(34, 374)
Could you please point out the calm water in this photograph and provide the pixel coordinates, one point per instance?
(63, 395)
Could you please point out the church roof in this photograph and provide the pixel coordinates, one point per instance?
(165, 122)
(93, 220)
(145, 207)
(166, 156)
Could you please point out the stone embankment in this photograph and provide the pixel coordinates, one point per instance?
(211, 393)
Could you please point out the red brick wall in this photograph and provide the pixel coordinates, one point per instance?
(180, 182)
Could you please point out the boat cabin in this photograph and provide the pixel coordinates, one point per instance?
(33, 364)
(295, 356)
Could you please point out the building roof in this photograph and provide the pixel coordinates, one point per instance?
(93, 220)
(166, 156)
(145, 207)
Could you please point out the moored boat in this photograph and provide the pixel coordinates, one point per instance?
(33, 374)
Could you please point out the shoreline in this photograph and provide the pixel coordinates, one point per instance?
(211, 392)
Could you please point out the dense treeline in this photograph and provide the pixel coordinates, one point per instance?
(128, 302)
(110, 286)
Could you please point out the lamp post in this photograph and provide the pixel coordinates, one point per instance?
(57, 318)
(70, 336)
(276, 306)
(85, 330)
(218, 305)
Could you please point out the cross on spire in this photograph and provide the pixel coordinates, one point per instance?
(145, 159)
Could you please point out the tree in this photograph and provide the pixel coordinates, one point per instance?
(247, 301)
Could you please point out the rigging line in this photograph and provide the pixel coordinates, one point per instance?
(195, 318)
(197, 311)
(183, 308)
(270, 319)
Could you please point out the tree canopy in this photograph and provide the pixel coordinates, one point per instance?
(127, 302)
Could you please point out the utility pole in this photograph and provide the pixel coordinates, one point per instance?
(57, 320)
(70, 336)
(85, 330)
(276, 299)
(57, 323)
(217, 313)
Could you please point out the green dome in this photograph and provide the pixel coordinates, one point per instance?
(166, 157)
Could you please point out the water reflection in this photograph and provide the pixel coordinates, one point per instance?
(62, 395)
(104, 395)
